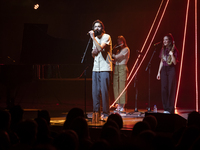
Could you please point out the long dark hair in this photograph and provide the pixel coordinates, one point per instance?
(171, 40)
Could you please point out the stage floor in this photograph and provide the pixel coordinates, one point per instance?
(130, 118)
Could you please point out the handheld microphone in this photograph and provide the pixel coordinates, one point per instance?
(157, 43)
(95, 33)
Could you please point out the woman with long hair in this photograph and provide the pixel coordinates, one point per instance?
(120, 72)
(167, 73)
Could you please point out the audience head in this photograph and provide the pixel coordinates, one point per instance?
(101, 145)
(27, 131)
(139, 127)
(5, 120)
(44, 114)
(43, 132)
(67, 139)
(189, 136)
(80, 126)
(193, 119)
(196, 144)
(152, 121)
(145, 139)
(111, 123)
(163, 142)
(111, 135)
(44, 147)
(72, 114)
(4, 140)
(16, 116)
(117, 118)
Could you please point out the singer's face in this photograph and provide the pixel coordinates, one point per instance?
(97, 26)
(166, 41)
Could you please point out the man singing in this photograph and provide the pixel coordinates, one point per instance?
(101, 52)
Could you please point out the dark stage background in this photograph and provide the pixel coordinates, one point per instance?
(56, 34)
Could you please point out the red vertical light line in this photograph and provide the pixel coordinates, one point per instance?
(143, 56)
(196, 55)
(183, 50)
(146, 38)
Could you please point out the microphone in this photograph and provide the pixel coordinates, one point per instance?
(157, 43)
(95, 33)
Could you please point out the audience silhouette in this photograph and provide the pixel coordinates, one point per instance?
(19, 134)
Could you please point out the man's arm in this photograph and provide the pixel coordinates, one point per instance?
(98, 46)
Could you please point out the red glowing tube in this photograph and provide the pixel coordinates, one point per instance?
(196, 68)
(182, 55)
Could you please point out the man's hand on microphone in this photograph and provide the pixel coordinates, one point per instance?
(91, 32)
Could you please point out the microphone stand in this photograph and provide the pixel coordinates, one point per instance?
(136, 89)
(149, 68)
(83, 61)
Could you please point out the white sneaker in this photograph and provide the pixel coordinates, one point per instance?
(166, 112)
(121, 109)
(103, 117)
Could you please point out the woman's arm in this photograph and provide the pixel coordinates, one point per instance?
(160, 67)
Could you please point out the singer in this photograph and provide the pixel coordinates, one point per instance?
(167, 73)
(101, 52)
(120, 72)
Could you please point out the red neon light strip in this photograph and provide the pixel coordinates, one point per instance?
(144, 55)
(146, 38)
(196, 68)
(183, 50)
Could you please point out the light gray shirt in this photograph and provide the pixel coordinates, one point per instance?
(126, 53)
(103, 61)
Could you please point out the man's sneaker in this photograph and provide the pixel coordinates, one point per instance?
(166, 112)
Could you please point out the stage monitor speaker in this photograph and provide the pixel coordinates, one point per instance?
(168, 122)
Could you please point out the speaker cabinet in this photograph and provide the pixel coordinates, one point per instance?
(168, 122)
